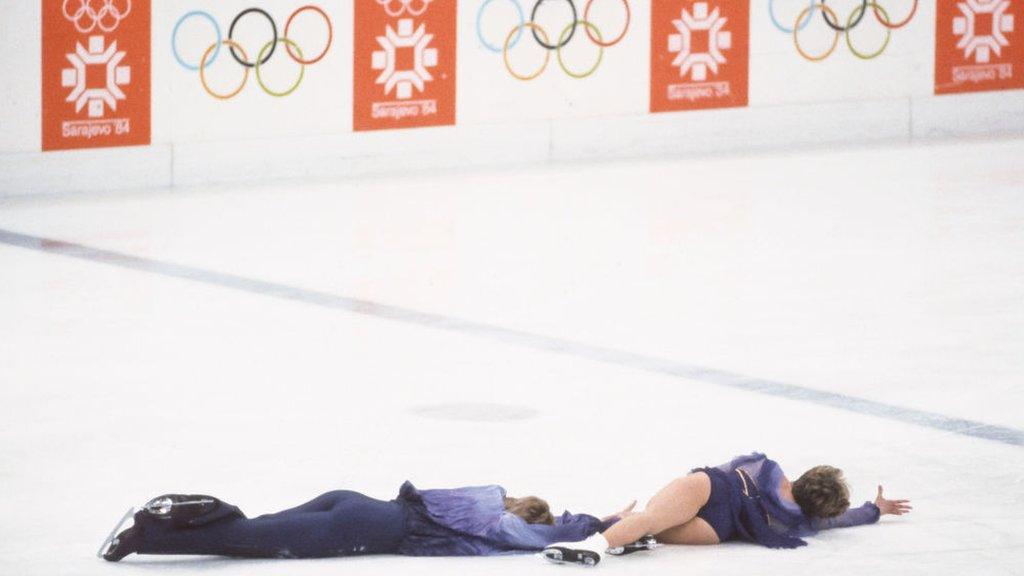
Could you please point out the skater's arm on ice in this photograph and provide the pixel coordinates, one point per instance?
(869, 513)
(624, 513)
(515, 534)
(575, 527)
(866, 514)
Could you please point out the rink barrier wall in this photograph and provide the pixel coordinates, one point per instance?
(525, 143)
(499, 121)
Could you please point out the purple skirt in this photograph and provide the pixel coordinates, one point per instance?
(735, 511)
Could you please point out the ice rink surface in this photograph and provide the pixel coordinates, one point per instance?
(584, 332)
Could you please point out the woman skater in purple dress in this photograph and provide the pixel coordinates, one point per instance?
(747, 499)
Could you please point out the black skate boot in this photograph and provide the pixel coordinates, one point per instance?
(646, 543)
(182, 510)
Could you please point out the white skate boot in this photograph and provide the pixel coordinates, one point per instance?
(586, 553)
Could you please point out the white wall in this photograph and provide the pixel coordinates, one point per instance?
(197, 139)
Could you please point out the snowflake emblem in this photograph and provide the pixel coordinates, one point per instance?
(981, 44)
(698, 63)
(97, 99)
(386, 60)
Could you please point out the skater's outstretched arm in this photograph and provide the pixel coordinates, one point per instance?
(621, 514)
(512, 533)
(869, 513)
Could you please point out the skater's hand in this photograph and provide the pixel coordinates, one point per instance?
(624, 513)
(894, 507)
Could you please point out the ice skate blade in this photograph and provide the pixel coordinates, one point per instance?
(109, 540)
(560, 555)
(641, 545)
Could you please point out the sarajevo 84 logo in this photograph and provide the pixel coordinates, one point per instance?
(102, 98)
(404, 63)
(699, 54)
(979, 45)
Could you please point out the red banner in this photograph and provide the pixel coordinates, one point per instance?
(700, 54)
(979, 45)
(404, 63)
(96, 73)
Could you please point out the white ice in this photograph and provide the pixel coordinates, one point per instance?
(894, 273)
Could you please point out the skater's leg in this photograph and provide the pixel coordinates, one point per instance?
(338, 524)
(695, 532)
(674, 505)
(321, 503)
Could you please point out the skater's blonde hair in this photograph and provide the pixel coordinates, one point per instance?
(532, 509)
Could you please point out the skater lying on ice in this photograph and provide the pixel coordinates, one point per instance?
(477, 521)
(747, 499)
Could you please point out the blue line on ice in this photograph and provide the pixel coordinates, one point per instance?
(656, 365)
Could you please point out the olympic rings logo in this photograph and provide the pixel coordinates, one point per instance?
(96, 18)
(542, 38)
(841, 28)
(240, 56)
(404, 7)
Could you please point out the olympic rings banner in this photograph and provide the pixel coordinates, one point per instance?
(979, 45)
(95, 73)
(404, 64)
(866, 13)
(580, 27)
(274, 41)
(700, 54)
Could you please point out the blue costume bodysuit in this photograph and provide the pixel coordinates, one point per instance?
(746, 504)
(457, 522)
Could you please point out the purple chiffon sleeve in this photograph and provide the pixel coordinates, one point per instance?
(866, 514)
(514, 533)
(751, 463)
(471, 510)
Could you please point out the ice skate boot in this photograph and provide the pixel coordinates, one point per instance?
(585, 553)
(181, 509)
(646, 543)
